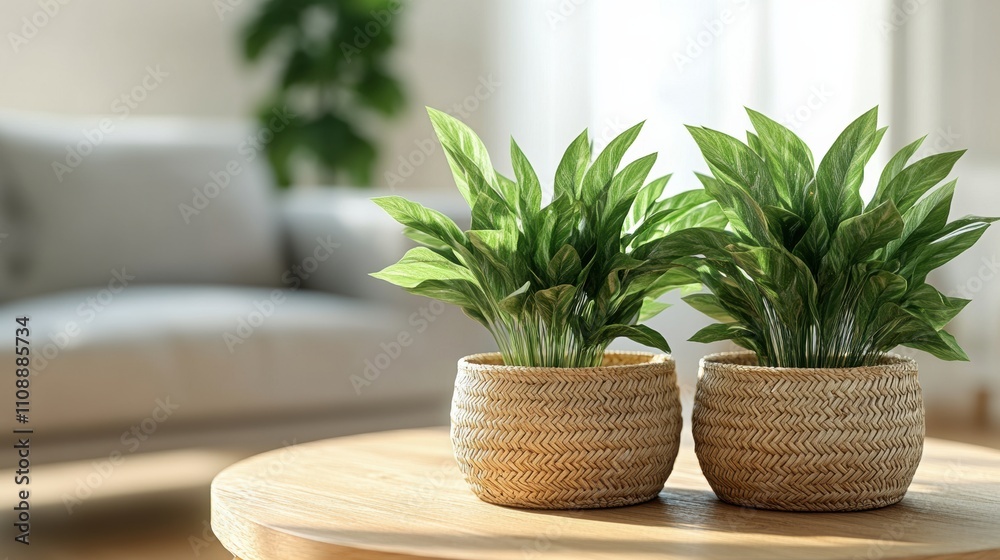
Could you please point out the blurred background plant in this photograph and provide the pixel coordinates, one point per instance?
(335, 80)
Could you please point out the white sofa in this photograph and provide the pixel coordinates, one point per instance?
(177, 299)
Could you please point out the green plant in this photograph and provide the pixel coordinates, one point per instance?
(554, 284)
(808, 274)
(334, 79)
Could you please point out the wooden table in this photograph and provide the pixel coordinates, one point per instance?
(395, 495)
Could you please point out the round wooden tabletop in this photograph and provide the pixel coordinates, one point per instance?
(395, 495)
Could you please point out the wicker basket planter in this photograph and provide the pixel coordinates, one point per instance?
(808, 439)
(566, 438)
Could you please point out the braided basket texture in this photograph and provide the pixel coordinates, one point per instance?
(808, 439)
(566, 438)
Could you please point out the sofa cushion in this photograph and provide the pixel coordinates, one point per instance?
(103, 360)
(165, 200)
(367, 239)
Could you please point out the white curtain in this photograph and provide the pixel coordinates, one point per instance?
(814, 65)
(609, 64)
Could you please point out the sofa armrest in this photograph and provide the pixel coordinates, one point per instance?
(338, 236)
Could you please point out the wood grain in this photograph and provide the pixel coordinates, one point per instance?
(395, 495)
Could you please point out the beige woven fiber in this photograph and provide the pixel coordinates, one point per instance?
(808, 439)
(566, 438)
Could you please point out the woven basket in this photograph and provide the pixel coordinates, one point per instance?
(821, 439)
(566, 438)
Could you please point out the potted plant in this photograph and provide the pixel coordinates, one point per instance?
(819, 286)
(555, 420)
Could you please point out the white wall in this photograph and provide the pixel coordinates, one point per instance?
(947, 86)
(91, 52)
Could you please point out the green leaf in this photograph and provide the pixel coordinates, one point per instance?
(644, 200)
(530, 193)
(840, 173)
(491, 212)
(428, 240)
(814, 244)
(892, 169)
(877, 289)
(460, 293)
(421, 264)
(941, 345)
(458, 138)
(941, 251)
(598, 177)
(554, 304)
(682, 211)
(709, 215)
(651, 228)
(712, 243)
(912, 182)
(784, 280)
(785, 226)
(818, 279)
(683, 200)
(717, 332)
(651, 308)
(788, 159)
(734, 163)
(514, 302)
(380, 91)
(744, 214)
(710, 305)
(564, 266)
(495, 248)
(639, 333)
(572, 166)
(556, 284)
(754, 142)
(932, 306)
(498, 191)
(625, 186)
(424, 220)
(924, 220)
(858, 237)
(560, 220)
